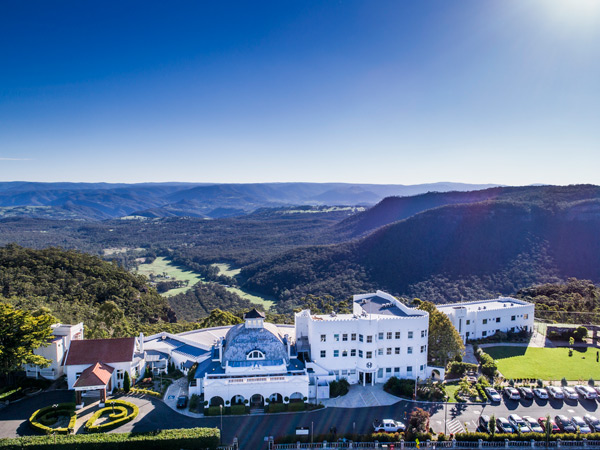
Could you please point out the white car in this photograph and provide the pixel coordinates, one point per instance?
(518, 423)
(570, 393)
(533, 424)
(556, 393)
(586, 392)
(493, 394)
(512, 393)
(388, 426)
(541, 393)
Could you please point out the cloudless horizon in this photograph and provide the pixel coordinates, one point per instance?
(387, 92)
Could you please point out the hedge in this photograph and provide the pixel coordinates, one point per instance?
(276, 407)
(296, 406)
(145, 391)
(118, 419)
(39, 418)
(474, 436)
(238, 409)
(190, 439)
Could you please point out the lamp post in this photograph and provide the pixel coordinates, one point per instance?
(312, 431)
(221, 433)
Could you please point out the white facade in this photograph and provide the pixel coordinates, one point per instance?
(62, 335)
(481, 319)
(381, 339)
(132, 367)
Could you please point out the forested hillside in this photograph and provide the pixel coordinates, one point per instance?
(449, 253)
(76, 287)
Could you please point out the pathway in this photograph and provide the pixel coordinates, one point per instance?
(179, 387)
(359, 396)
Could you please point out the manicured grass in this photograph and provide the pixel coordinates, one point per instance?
(266, 303)
(162, 265)
(545, 363)
(225, 269)
(450, 391)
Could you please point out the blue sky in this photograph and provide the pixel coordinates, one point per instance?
(494, 91)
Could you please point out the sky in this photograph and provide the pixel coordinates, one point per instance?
(406, 92)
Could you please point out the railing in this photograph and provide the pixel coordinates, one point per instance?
(434, 445)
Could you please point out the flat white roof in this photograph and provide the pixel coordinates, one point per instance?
(484, 305)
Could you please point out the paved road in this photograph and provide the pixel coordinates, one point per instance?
(251, 430)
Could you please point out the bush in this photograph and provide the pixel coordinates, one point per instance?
(276, 407)
(131, 413)
(238, 409)
(194, 402)
(126, 382)
(43, 417)
(296, 406)
(400, 387)
(338, 388)
(459, 369)
(212, 411)
(564, 382)
(145, 392)
(191, 439)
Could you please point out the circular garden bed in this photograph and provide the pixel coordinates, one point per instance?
(113, 415)
(59, 419)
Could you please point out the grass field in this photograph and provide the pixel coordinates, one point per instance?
(545, 363)
(451, 390)
(162, 265)
(225, 269)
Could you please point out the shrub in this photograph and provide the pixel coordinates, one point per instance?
(212, 411)
(131, 413)
(194, 402)
(238, 409)
(564, 382)
(296, 406)
(338, 388)
(145, 392)
(126, 382)
(43, 417)
(400, 387)
(276, 407)
(459, 368)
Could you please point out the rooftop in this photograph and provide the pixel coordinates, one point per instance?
(96, 375)
(480, 305)
(90, 351)
(254, 314)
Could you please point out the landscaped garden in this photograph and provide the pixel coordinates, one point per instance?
(545, 363)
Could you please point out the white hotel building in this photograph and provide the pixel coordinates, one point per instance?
(481, 319)
(382, 338)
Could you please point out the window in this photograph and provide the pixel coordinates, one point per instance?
(369, 339)
(380, 352)
(77, 375)
(388, 370)
(423, 347)
(389, 335)
(484, 321)
(323, 353)
(388, 351)
(344, 353)
(484, 333)
(397, 350)
(380, 373)
(409, 350)
(120, 374)
(360, 353)
(497, 319)
(353, 352)
(423, 333)
(344, 337)
(525, 316)
(421, 367)
(336, 337)
(369, 355)
(468, 322)
(255, 354)
(381, 336)
(344, 372)
(410, 334)
(396, 370)
(353, 336)
(409, 370)
(468, 333)
(512, 329)
(397, 335)
(360, 337)
(323, 338)
(513, 318)
(336, 353)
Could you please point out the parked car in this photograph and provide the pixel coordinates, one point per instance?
(518, 423)
(570, 393)
(556, 393)
(504, 425)
(565, 424)
(533, 425)
(581, 425)
(493, 394)
(541, 393)
(512, 393)
(182, 401)
(526, 392)
(553, 426)
(586, 392)
(597, 389)
(388, 426)
(592, 422)
(484, 423)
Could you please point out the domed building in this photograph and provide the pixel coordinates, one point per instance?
(253, 362)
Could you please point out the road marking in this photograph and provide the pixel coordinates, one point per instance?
(454, 426)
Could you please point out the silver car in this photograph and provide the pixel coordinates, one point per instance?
(541, 393)
(570, 393)
(586, 392)
(493, 394)
(533, 424)
(581, 425)
(556, 393)
(592, 422)
(518, 423)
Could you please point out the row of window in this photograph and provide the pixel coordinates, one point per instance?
(369, 354)
(388, 371)
(381, 336)
(491, 332)
(499, 319)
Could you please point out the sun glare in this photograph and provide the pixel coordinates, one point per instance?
(578, 11)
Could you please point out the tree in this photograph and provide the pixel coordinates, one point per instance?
(444, 341)
(20, 334)
(126, 382)
(418, 421)
(218, 318)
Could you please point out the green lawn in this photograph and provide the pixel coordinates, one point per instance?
(162, 265)
(225, 269)
(545, 363)
(450, 391)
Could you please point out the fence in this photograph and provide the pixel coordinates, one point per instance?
(583, 444)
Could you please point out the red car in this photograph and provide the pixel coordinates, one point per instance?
(542, 422)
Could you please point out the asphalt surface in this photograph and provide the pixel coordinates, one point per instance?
(252, 429)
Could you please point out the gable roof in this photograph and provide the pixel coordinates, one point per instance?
(254, 314)
(90, 351)
(97, 375)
